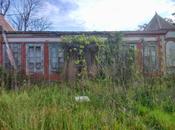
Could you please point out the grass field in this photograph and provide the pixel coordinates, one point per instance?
(53, 107)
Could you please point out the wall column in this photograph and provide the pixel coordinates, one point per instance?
(46, 61)
(23, 58)
(1, 54)
(160, 55)
(139, 56)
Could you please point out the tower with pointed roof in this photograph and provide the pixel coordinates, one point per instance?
(158, 23)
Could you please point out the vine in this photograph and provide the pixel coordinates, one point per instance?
(77, 46)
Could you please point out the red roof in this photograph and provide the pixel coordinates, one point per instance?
(5, 25)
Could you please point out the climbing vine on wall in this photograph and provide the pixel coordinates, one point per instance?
(77, 46)
(114, 59)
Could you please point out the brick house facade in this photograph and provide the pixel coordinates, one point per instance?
(41, 53)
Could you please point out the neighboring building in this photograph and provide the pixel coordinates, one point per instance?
(6, 26)
(41, 53)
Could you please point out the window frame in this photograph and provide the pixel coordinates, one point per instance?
(16, 55)
(148, 63)
(58, 56)
(35, 59)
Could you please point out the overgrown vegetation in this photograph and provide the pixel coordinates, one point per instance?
(120, 98)
(82, 50)
(54, 107)
(117, 61)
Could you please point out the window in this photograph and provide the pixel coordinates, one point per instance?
(16, 51)
(35, 57)
(56, 57)
(150, 58)
(132, 46)
(128, 49)
(170, 54)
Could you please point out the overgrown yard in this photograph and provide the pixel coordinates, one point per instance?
(142, 106)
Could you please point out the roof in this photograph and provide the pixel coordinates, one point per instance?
(158, 23)
(5, 25)
(21, 34)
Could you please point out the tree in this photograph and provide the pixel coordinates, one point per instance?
(25, 16)
(142, 27)
(171, 20)
(39, 24)
(4, 6)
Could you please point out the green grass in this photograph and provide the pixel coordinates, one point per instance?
(111, 107)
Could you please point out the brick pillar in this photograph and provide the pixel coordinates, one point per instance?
(139, 56)
(1, 47)
(1, 53)
(23, 58)
(160, 55)
(46, 61)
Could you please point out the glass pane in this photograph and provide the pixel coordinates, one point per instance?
(150, 58)
(54, 52)
(32, 60)
(38, 59)
(38, 66)
(54, 65)
(38, 51)
(31, 66)
(31, 51)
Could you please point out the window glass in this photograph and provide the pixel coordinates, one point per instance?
(132, 46)
(35, 57)
(16, 52)
(31, 51)
(170, 54)
(38, 51)
(56, 57)
(150, 58)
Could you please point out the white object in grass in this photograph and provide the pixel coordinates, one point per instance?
(82, 99)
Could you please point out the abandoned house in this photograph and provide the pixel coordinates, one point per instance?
(41, 53)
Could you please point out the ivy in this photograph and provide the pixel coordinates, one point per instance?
(76, 46)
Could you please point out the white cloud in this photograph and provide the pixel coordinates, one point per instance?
(119, 14)
(73, 15)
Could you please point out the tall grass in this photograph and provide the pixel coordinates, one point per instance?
(111, 107)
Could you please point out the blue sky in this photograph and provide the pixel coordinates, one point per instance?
(103, 15)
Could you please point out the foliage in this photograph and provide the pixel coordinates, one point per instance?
(54, 107)
(10, 79)
(116, 60)
(77, 47)
(142, 27)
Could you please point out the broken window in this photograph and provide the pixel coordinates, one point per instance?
(35, 59)
(150, 57)
(16, 51)
(56, 57)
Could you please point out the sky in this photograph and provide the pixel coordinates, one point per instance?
(103, 15)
